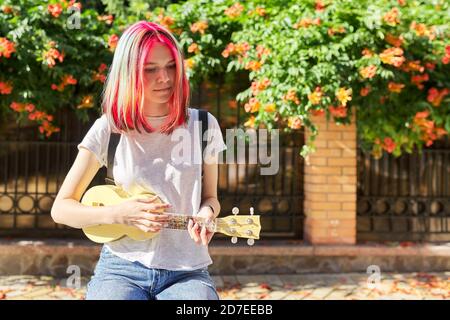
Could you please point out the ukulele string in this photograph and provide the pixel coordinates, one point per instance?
(180, 222)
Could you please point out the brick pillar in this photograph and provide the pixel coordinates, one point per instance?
(330, 185)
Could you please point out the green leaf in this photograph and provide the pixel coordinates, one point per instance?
(447, 123)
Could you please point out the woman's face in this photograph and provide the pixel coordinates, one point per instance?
(159, 74)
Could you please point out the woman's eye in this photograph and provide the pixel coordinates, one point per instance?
(153, 69)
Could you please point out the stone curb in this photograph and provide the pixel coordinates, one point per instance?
(263, 248)
(53, 256)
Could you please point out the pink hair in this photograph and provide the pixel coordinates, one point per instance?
(123, 94)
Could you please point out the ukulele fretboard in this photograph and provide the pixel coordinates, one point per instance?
(180, 222)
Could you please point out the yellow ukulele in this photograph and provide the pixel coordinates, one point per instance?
(104, 195)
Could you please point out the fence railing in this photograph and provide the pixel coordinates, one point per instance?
(277, 198)
(405, 198)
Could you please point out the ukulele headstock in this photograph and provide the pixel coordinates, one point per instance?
(245, 226)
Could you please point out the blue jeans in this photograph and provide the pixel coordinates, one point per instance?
(119, 279)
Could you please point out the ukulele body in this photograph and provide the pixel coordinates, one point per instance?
(104, 195)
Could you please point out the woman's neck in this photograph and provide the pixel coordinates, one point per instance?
(156, 110)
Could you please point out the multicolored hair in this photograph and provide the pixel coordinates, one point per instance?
(123, 93)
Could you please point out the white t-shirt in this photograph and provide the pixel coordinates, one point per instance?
(146, 162)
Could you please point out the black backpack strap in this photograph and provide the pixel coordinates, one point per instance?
(203, 117)
(112, 146)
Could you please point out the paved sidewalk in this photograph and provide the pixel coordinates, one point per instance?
(349, 286)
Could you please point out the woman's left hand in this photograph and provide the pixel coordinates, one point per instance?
(201, 234)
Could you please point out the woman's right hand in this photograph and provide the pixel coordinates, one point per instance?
(144, 214)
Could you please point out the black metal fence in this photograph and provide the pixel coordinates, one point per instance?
(32, 171)
(405, 198)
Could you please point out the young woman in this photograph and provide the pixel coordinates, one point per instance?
(146, 100)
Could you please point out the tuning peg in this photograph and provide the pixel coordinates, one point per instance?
(235, 210)
(250, 241)
(252, 211)
(234, 240)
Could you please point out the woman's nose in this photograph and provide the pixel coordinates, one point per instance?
(162, 75)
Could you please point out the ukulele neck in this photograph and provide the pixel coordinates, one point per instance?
(180, 222)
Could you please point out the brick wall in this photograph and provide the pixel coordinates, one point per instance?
(330, 185)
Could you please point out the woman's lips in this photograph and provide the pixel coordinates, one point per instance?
(162, 90)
